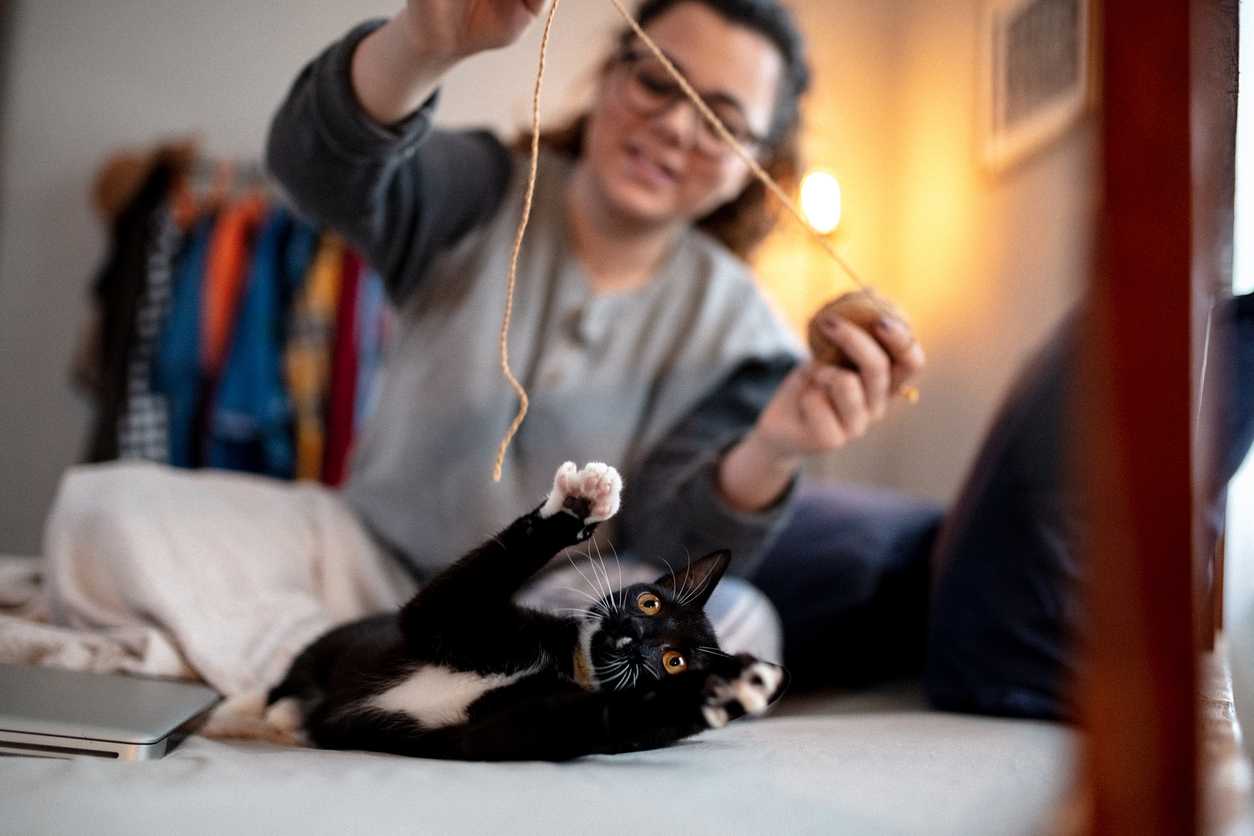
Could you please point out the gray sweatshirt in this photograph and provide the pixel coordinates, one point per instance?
(657, 381)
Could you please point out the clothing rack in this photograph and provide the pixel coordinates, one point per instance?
(205, 175)
(231, 333)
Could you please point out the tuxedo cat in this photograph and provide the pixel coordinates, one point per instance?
(462, 672)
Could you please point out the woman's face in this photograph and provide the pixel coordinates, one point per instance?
(652, 158)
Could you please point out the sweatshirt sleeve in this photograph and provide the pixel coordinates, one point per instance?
(399, 193)
(674, 493)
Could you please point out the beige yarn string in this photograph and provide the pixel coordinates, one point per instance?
(518, 240)
(713, 120)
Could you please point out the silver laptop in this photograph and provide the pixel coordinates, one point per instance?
(67, 714)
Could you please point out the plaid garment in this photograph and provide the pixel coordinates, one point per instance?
(143, 428)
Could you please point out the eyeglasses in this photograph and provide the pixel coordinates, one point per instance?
(648, 89)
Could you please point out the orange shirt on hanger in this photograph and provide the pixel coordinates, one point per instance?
(225, 272)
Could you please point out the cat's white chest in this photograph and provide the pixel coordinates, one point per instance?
(437, 696)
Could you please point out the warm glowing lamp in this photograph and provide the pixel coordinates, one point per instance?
(820, 201)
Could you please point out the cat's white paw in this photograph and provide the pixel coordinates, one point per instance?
(598, 484)
(749, 693)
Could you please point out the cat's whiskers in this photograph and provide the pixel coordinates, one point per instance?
(695, 591)
(597, 603)
(613, 664)
(714, 651)
(615, 683)
(609, 587)
(610, 670)
(587, 613)
(674, 582)
(594, 587)
(612, 661)
(622, 593)
(616, 657)
(687, 575)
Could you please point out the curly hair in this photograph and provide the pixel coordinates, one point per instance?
(744, 222)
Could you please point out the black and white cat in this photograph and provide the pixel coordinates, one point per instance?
(462, 672)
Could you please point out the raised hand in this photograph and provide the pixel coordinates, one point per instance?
(397, 67)
(460, 28)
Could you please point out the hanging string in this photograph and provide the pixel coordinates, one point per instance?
(518, 240)
(710, 117)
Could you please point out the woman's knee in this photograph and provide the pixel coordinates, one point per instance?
(745, 620)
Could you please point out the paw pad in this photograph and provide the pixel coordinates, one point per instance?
(597, 487)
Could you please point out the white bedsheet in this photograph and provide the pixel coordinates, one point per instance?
(876, 765)
(865, 765)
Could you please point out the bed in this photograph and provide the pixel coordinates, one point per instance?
(872, 763)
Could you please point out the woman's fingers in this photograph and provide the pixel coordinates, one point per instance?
(460, 28)
(820, 407)
(907, 355)
(871, 359)
(846, 399)
(820, 420)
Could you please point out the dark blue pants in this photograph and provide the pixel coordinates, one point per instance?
(982, 600)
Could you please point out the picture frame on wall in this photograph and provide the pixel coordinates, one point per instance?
(1035, 73)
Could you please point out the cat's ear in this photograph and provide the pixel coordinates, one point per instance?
(693, 584)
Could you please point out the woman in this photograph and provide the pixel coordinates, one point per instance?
(638, 330)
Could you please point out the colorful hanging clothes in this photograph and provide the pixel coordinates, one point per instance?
(224, 278)
(342, 403)
(250, 427)
(307, 357)
(143, 427)
(176, 368)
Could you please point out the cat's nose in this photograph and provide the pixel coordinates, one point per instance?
(623, 642)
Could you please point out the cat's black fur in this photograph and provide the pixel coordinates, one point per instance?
(547, 705)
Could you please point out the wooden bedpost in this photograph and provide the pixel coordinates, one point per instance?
(1164, 243)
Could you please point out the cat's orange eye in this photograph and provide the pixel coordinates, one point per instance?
(674, 662)
(648, 603)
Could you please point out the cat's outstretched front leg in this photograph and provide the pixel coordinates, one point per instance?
(580, 500)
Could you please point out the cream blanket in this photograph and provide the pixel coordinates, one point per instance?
(214, 575)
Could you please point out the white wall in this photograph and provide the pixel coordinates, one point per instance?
(987, 264)
(87, 77)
